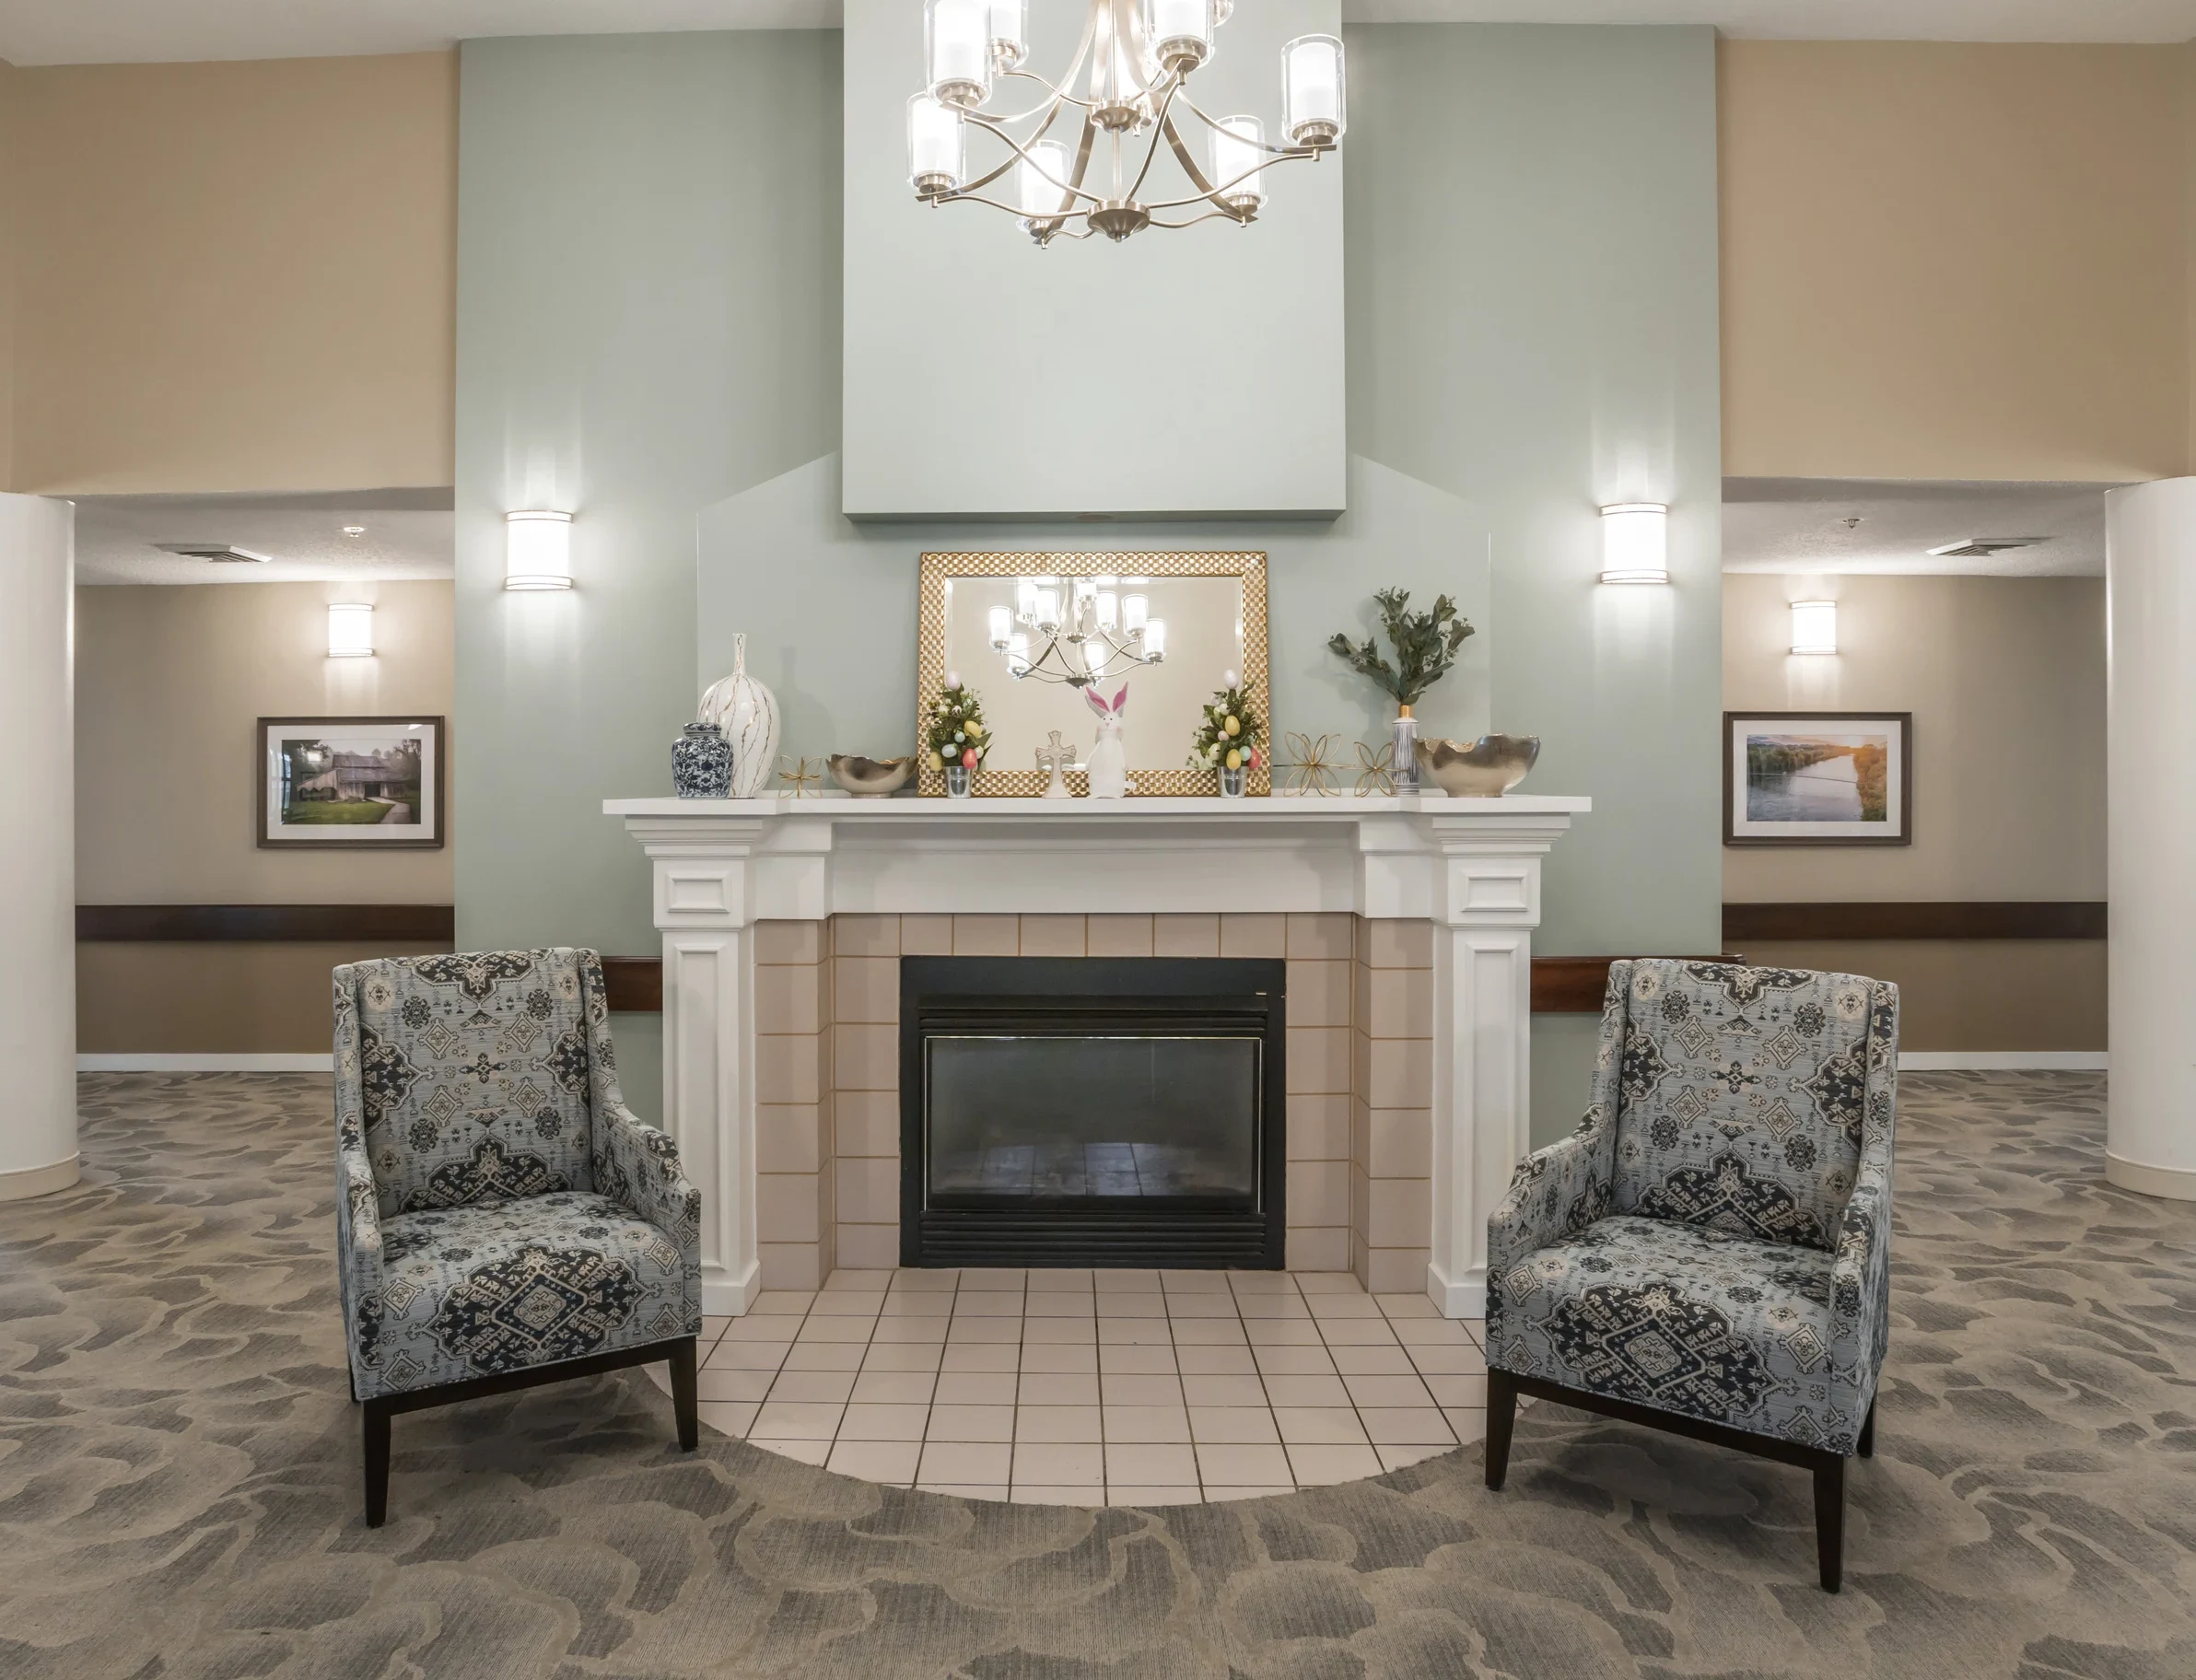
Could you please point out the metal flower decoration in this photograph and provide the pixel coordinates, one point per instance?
(1376, 769)
(1310, 767)
(799, 774)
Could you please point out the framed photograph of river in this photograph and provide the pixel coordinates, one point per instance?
(367, 783)
(1818, 778)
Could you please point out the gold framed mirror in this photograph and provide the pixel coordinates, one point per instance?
(1211, 609)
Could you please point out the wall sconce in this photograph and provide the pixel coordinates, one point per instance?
(1635, 542)
(350, 630)
(1815, 626)
(537, 550)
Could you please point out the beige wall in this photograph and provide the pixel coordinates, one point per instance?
(238, 276)
(1955, 260)
(169, 685)
(10, 233)
(2005, 677)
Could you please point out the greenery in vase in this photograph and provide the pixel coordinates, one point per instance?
(1425, 644)
(953, 732)
(1231, 734)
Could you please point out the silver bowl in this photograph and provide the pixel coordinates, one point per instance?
(869, 778)
(1482, 769)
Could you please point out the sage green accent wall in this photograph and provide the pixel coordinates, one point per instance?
(648, 284)
(1532, 326)
(647, 322)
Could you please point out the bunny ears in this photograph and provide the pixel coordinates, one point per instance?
(1098, 702)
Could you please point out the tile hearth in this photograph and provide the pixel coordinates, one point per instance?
(1093, 1388)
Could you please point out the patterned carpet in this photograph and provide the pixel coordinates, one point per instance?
(178, 1480)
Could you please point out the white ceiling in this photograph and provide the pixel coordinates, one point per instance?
(119, 32)
(1799, 525)
(409, 533)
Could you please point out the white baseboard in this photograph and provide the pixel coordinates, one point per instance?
(2004, 1061)
(226, 1061)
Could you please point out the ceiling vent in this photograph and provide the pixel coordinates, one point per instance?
(227, 553)
(1982, 548)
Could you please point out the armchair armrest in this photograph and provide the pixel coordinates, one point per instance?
(1555, 1193)
(357, 1205)
(637, 1167)
(1861, 1269)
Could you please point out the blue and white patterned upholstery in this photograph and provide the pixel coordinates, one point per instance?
(498, 1207)
(1715, 1239)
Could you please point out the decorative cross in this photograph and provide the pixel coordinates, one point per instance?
(1056, 757)
(1376, 771)
(1309, 767)
(798, 773)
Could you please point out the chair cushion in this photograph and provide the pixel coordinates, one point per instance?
(1741, 1094)
(473, 1075)
(1685, 1319)
(471, 1291)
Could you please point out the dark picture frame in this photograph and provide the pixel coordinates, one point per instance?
(1883, 779)
(321, 780)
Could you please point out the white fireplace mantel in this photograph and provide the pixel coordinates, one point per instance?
(1470, 867)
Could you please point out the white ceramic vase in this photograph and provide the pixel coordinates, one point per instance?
(747, 713)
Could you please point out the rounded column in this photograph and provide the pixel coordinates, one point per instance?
(38, 847)
(2150, 545)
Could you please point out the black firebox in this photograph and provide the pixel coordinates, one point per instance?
(1093, 1111)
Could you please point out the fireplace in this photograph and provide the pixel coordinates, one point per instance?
(1123, 1112)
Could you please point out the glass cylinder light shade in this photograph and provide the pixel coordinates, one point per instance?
(1135, 610)
(957, 46)
(1238, 148)
(1313, 91)
(933, 147)
(1010, 34)
(350, 631)
(1003, 628)
(537, 550)
(1109, 609)
(1180, 32)
(1038, 179)
(1815, 626)
(1635, 542)
(1155, 640)
(1018, 653)
(1048, 610)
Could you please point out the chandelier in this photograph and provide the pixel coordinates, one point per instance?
(1132, 69)
(1091, 631)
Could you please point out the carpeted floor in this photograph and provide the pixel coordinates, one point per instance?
(179, 1475)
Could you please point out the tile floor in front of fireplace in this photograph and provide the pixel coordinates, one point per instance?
(1090, 1388)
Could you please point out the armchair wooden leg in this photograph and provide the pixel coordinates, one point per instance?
(376, 1417)
(1867, 1442)
(1829, 1521)
(685, 1392)
(1501, 1412)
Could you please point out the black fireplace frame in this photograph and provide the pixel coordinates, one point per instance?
(1230, 995)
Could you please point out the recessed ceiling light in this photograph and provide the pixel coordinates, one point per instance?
(354, 531)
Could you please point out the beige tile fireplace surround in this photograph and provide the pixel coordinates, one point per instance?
(1359, 1070)
(1405, 922)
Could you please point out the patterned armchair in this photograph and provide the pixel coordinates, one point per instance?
(502, 1219)
(1710, 1252)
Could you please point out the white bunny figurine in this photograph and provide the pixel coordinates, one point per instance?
(1108, 766)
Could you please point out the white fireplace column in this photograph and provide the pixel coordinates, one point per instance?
(2150, 545)
(38, 840)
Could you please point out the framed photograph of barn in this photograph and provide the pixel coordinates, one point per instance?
(360, 782)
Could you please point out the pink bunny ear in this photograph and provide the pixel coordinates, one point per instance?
(1120, 699)
(1097, 705)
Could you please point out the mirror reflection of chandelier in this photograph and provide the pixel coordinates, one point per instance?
(1086, 629)
(1127, 91)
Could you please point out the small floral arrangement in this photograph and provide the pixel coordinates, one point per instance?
(1232, 734)
(953, 729)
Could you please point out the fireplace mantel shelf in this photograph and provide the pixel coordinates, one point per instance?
(1471, 868)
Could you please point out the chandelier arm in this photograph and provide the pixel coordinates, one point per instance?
(1152, 152)
(1272, 151)
(1178, 203)
(1014, 151)
(1206, 190)
(977, 198)
(1022, 152)
(1226, 215)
